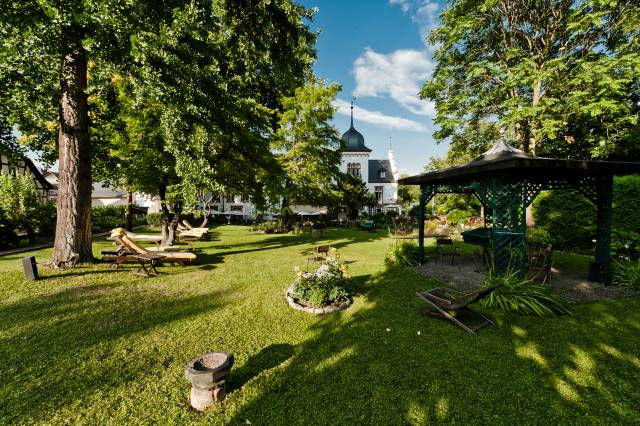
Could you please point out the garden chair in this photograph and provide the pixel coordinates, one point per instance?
(130, 250)
(447, 303)
(188, 225)
(320, 253)
(445, 247)
(539, 262)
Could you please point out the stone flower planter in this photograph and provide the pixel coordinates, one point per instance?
(318, 311)
(207, 375)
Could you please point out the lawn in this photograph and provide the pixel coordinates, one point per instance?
(94, 346)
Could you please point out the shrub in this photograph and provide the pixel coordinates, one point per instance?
(570, 219)
(522, 296)
(108, 217)
(154, 219)
(626, 273)
(402, 253)
(460, 216)
(324, 286)
(19, 202)
(537, 237)
(44, 219)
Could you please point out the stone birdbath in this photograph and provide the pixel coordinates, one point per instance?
(207, 375)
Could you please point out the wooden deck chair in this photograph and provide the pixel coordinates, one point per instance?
(445, 303)
(180, 257)
(183, 230)
(187, 224)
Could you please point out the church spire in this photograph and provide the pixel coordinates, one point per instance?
(353, 98)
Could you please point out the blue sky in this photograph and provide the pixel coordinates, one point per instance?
(376, 50)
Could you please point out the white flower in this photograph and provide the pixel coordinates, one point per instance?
(388, 329)
(418, 333)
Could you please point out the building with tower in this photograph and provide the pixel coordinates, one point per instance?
(381, 176)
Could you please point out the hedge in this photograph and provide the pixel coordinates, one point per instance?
(570, 219)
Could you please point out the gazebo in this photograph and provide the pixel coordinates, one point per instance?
(506, 180)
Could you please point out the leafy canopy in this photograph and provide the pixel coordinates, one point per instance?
(562, 76)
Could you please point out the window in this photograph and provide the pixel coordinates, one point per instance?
(382, 174)
(353, 169)
(379, 194)
(244, 199)
(230, 198)
(236, 208)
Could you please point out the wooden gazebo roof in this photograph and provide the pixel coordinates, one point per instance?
(505, 160)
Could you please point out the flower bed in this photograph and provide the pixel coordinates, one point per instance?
(323, 290)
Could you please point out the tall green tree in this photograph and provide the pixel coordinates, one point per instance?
(308, 146)
(354, 195)
(45, 60)
(562, 76)
(217, 69)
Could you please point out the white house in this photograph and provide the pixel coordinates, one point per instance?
(381, 176)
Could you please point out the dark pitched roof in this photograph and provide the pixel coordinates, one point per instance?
(506, 160)
(375, 166)
(352, 140)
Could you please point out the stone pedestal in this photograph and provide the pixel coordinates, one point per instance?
(207, 375)
(201, 398)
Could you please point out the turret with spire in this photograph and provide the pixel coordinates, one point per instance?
(352, 140)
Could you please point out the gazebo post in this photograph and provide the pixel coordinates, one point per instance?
(426, 193)
(603, 235)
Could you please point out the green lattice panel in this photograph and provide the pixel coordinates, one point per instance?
(508, 252)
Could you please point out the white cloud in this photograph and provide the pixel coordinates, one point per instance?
(404, 4)
(424, 13)
(398, 75)
(378, 118)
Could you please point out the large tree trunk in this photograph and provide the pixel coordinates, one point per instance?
(73, 226)
(162, 192)
(129, 213)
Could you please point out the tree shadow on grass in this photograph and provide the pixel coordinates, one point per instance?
(267, 358)
(277, 241)
(72, 343)
(381, 362)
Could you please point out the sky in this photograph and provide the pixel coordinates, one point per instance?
(376, 50)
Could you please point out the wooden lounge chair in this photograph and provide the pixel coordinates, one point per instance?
(131, 249)
(190, 226)
(446, 303)
(196, 232)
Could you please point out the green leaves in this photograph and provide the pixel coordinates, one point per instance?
(523, 297)
(567, 72)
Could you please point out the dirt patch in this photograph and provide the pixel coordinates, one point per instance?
(467, 274)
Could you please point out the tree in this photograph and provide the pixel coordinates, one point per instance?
(561, 76)
(216, 69)
(408, 194)
(18, 202)
(308, 147)
(355, 195)
(45, 64)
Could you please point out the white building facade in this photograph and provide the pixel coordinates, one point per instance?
(381, 176)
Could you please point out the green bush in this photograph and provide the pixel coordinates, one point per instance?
(570, 219)
(108, 217)
(626, 273)
(154, 219)
(402, 253)
(44, 219)
(538, 238)
(521, 296)
(460, 216)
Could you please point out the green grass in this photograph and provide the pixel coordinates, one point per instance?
(94, 346)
